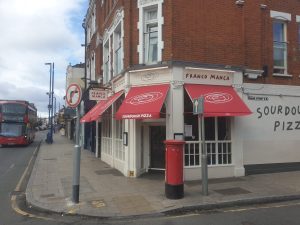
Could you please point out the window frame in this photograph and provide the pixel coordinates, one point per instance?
(143, 7)
(280, 45)
(109, 46)
(106, 62)
(298, 31)
(219, 150)
(118, 49)
(284, 18)
(149, 24)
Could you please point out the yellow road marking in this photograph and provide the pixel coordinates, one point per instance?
(13, 199)
(262, 207)
(18, 187)
(15, 207)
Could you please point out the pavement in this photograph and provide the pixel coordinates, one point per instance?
(105, 192)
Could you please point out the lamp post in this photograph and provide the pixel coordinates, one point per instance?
(52, 93)
(54, 105)
(49, 139)
(54, 114)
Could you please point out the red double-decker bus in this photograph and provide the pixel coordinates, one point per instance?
(18, 120)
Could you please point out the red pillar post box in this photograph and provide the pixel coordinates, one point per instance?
(174, 169)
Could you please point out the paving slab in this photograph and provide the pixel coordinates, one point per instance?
(105, 192)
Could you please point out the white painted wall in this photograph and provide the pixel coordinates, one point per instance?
(271, 137)
(175, 105)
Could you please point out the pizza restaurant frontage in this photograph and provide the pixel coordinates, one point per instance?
(149, 106)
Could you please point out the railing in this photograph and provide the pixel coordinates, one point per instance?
(218, 153)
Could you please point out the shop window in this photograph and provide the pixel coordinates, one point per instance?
(279, 47)
(119, 146)
(106, 140)
(150, 36)
(217, 139)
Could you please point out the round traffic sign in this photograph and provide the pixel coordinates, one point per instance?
(73, 95)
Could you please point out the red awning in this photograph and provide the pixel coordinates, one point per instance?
(143, 102)
(218, 100)
(96, 112)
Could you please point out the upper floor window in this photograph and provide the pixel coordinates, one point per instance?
(94, 20)
(106, 67)
(150, 36)
(117, 50)
(298, 27)
(298, 33)
(150, 26)
(113, 50)
(279, 47)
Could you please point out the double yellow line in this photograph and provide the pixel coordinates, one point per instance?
(13, 198)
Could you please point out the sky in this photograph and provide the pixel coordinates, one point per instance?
(35, 32)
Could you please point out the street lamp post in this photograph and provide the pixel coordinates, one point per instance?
(49, 139)
(54, 113)
(52, 95)
(54, 105)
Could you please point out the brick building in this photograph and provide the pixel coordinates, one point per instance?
(154, 57)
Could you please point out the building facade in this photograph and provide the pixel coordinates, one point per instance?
(155, 58)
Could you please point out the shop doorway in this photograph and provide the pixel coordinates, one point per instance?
(157, 148)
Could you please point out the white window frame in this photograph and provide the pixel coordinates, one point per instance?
(119, 147)
(298, 27)
(118, 49)
(106, 138)
(94, 20)
(283, 18)
(281, 46)
(93, 67)
(109, 39)
(106, 62)
(143, 6)
(222, 154)
(149, 24)
(88, 33)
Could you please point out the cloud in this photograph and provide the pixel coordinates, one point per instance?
(34, 32)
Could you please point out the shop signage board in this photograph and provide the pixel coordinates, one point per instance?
(97, 94)
(208, 76)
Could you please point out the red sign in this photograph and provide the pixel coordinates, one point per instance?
(73, 95)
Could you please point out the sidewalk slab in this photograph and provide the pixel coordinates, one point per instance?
(105, 192)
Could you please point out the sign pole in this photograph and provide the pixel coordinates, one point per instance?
(73, 97)
(76, 160)
(198, 109)
(203, 158)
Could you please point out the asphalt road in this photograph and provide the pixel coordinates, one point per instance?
(14, 163)
(284, 213)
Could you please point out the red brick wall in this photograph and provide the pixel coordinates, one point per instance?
(215, 32)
